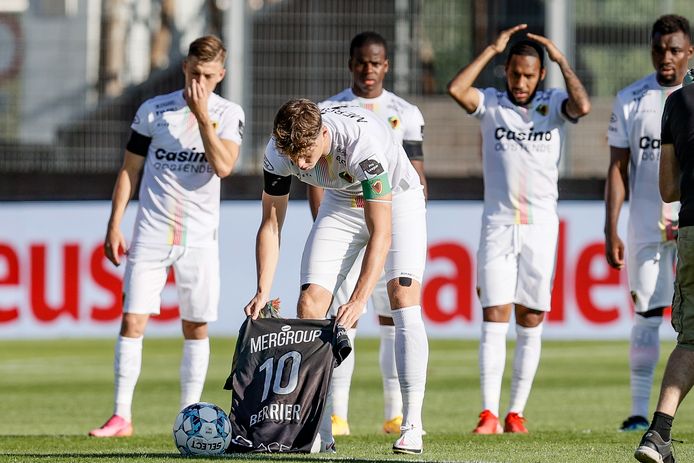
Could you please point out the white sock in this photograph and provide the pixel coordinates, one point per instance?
(492, 362)
(342, 379)
(411, 357)
(644, 352)
(525, 362)
(127, 365)
(196, 357)
(392, 398)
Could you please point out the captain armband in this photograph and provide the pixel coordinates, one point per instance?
(413, 149)
(376, 187)
(276, 185)
(138, 143)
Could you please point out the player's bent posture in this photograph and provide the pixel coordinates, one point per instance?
(522, 135)
(368, 63)
(373, 200)
(675, 184)
(634, 138)
(185, 141)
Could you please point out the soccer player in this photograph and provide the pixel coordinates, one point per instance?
(368, 63)
(185, 141)
(522, 140)
(674, 181)
(374, 200)
(634, 138)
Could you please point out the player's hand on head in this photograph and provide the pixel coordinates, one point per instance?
(349, 313)
(504, 36)
(552, 51)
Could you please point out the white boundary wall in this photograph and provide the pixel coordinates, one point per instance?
(55, 282)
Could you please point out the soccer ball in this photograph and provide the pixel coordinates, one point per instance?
(202, 429)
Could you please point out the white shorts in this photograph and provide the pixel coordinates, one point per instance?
(197, 280)
(515, 265)
(650, 267)
(339, 233)
(379, 300)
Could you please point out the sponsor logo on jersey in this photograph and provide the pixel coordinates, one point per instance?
(371, 166)
(394, 122)
(502, 133)
(344, 111)
(346, 177)
(649, 143)
(543, 109)
(136, 120)
(283, 338)
(267, 165)
(180, 156)
(241, 129)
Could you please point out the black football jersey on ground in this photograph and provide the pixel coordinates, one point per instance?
(279, 381)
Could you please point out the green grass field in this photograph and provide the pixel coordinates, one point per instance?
(53, 392)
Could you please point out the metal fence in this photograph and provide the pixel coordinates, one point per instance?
(62, 108)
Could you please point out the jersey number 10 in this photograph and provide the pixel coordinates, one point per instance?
(268, 368)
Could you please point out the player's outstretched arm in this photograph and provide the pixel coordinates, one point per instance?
(128, 175)
(669, 174)
(377, 213)
(616, 188)
(460, 88)
(221, 154)
(267, 250)
(578, 104)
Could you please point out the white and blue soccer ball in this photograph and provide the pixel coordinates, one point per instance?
(202, 429)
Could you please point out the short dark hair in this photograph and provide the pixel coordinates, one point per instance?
(527, 48)
(367, 38)
(207, 48)
(297, 126)
(669, 24)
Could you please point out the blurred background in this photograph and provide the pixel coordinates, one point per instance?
(73, 72)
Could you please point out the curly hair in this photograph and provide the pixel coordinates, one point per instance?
(297, 126)
(669, 24)
(207, 48)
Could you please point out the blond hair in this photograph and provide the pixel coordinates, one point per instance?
(207, 48)
(297, 126)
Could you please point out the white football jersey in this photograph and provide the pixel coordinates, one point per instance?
(362, 148)
(635, 124)
(179, 191)
(521, 148)
(404, 119)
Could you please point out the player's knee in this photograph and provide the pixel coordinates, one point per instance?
(133, 325)
(403, 292)
(311, 304)
(529, 318)
(194, 330)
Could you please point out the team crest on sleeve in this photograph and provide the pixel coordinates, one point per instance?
(371, 166)
(542, 109)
